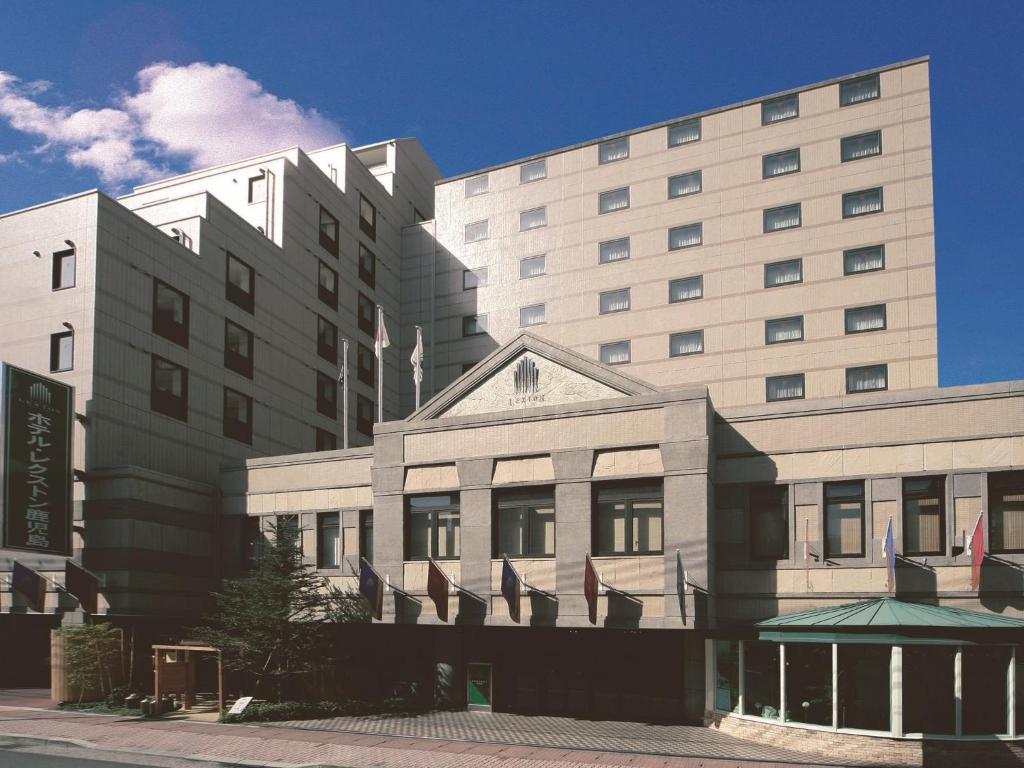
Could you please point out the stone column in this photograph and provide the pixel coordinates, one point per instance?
(388, 476)
(475, 524)
(572, 532)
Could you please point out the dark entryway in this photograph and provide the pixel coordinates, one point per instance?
(25, 661)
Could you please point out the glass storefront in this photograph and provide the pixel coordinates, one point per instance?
(727, 679)
(761, 679)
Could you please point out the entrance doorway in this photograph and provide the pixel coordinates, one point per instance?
(479, 690)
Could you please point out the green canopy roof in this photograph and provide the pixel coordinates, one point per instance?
(888, 612)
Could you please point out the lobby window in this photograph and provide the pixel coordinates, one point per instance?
(761, 679)
(809, 683)
(860, 146)
(628, 519)
(929, 705)
(727, 675)
(326, 441)
(364, 415)
(366, 315)
(366, 363)
(783, 273)
(687, 343)
(783, 329)
(769, 522)
(780, 109)
(865, 319)
(783, 217)
(62, 351)
(533, 266)
(240, 284)
(326, 395)
(328, 231)
(533, 219)
(685, 184)
(170, 313)
(613, 200)
(432, 527)
(613, 301)
(614, 353)
(535, 314)
(475, 231)
(328, 540)
(326, 339)
(1006, 512)
(168, 389)
(474, 325)
(366, 534)
(780, 163)
(534, 171)
(611, 151)
(789, 387)
(863, 681)
(63, 275)
(474, 278)
(686, 236)
(861, 89)
(524, 523)
(862, 203)
(924, 521)
(367, 217)
(686, 289)
(844, 519)
(477, 185)
(327, 286)
(869, 259)
(367, 266)
(867, 378)
(684, 132)
(985, 691)
(237, 416)
(613, 250)
(238, 349)
(258, 188)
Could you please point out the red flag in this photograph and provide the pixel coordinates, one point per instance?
(977, 547)
(590, 585)
(437, 588)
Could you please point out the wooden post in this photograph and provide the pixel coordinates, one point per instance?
(156, 677)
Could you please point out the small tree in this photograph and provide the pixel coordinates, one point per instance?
(90, 653)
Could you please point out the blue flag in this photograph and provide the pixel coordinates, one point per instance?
(371, 586)
(889, 553)
(510, 589)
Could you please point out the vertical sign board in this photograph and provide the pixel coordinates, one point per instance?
(35, 461)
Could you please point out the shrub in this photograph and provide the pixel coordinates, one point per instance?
(303, 710)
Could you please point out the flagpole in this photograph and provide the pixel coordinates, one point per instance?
(416, 374)
(380, 363)
(344, 393)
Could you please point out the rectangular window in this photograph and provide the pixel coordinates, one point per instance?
(240, 284)
(869, 259)
(686, 289)
(780, 163)
(844, 519)
(328, 540)
(328, 231)
(366, 534)
(862, 203)
(783, 217)
(867, 378)
(783, 273)
(782, 108)
(258, 188)
(614, 301)
(474, 325)
(367, 217)
(366, 364)
(474, 278)
(326, 441)
(534, 171)
(476, 231)
(686, 236)
(860, 146)
(327, 339)
(326, 395)
(252, 542)
(769, 522)
(168, 393)
(367, 266)
(170, 313)
(614, 353)
(477, 185)
(238, 349)
(1006, 512)
(684, 132)
(533, 218)
(924, 522)
(62, 351)
(613, 250)
(610, 151)
(864, 319)
(613, 200)
(685, 184)
(367, 315)
(783, 329)
(63, 270)
(364, 415)
(778, 388)
(533, 266)
(628, 519)
(327, 286)
(432, 527)
(687, 343)
(532, 315)
(524, 523)
(237, 416)
(861, 89)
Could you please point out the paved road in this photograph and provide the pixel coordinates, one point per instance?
(35, 753)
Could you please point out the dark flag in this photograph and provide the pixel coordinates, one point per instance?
(437, 589)
(82, 584)
(590, 585)
(510, 589)
(372, 588)
(31, 584)
(681, 585)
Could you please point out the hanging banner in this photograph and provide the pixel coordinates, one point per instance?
(35, 461)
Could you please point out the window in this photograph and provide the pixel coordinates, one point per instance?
(364, 415)
(477, 185)
(782, 108)
(535, 314)
(790, 387)
(168, 392)
(613, 250)
(327, 286)
(533, 218)
(326, 441)
(467, 367)
(474, 278)
(614, 301)
(686, 236)
(614, 353)
(327, 339)
(432, 527)
(924, 523)
(613, 200)
(856, 91)
(783, 329)
(864, 319)
(524, 523)
(780, 163)
(252, 542)
(326, 395)
(862, 690)
(783, 273)
(860, 146)
(685, 184)
(237, 416)
(1006, 512)
(367, 218)
(809, 683)
(366, 534)
(367, 266)
(366, 364)
(238, 349)
(476, 231)
(727, 675)
(287, 526)
(533, 266)
(867, 259)
(684, 132)
(367, 315)
(862, 203)
(761, 692)
(686, 289)
(62, 351)
(534, 171)
(610, 151)
(628, 519)
(687, 343)
(474, 325)
(258, 188)
(769, 522)
(867, 378)
(844, 519)
(783, 217)
(170, 313)
(240, 284)
(328, 231)
(63, 269)
(328, 540)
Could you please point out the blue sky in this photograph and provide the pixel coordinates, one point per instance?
(480, 83)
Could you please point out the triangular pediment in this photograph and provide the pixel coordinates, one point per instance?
(530, 372)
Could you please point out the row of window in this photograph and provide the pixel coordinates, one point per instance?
(329, 536)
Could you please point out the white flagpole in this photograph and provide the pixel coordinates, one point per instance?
(417, 364)
(380, 364)
(343, 376)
